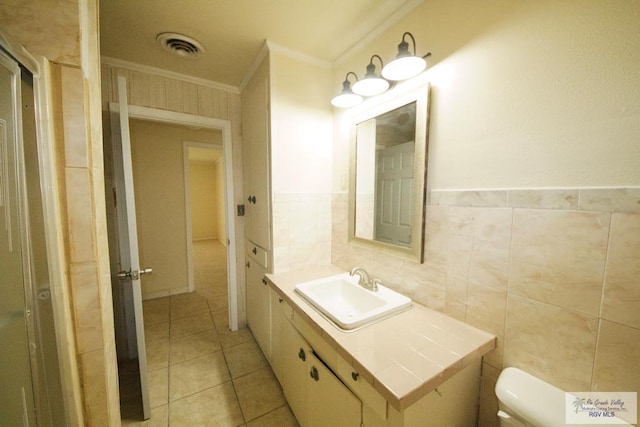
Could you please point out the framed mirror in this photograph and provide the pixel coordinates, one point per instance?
(388, 175)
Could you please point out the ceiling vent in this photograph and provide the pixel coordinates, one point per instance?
(180, 45)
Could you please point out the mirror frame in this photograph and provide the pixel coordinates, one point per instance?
(380, 105)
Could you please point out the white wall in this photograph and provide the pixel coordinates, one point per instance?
(301, 153)
(525, 94)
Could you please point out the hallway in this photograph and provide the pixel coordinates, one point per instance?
(200, 373)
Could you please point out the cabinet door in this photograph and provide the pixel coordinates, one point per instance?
(330, 402)
(280, 315)
(258, 307)
(256, 136)
(294, 376)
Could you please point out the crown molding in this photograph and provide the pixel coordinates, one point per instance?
(254, 66)
(132, 66)
(294, 54)
(378, 29)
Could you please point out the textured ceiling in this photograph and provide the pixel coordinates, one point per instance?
(234, 31)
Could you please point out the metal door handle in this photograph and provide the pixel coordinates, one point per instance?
(124, 275)
(314, 373)
(133, 274)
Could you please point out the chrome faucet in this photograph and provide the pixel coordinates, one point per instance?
(365, 281)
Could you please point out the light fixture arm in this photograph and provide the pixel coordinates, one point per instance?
(404, 46)
(371, 68)
(346, 84)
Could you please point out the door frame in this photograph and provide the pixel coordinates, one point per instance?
(187, 198)
(54, 239)
(184, 119)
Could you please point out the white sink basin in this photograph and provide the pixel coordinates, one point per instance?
(349, 305)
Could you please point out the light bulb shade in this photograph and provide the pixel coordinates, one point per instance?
(404, 67)
(370, 86)
(346, 100)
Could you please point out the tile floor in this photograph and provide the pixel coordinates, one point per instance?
(200, 373)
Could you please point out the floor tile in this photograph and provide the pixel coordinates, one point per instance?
(192, 346)
(244, 358)
(191, 355)
(157, 354)
(281, 417)
(158, 386)
(159, 418)
(197, 374)
(155, 310)
(214, 407)
(187, 305)
(156, 332)
(258, 393)
(191, 325)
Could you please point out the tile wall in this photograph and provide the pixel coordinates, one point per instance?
(555, 274)
(301, 231)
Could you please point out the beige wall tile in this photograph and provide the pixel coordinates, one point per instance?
(489, 263)
(469, 198)
(617, 356)
(610, 199)
(621, 301)
(486, 310)
(565, 199)
(75, 135)
(95, 387)
(558, 257)
(84, 281)
(554, 344)
(80, 215)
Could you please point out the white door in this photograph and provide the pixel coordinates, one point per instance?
(394, 193)
(127, 278)
(17, 394)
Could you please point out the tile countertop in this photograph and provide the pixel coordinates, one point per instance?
(403, 357)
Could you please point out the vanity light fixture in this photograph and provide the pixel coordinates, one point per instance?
(371, 84)
(347, 98)
(406, 64)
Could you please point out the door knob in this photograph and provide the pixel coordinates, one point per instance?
(133, 274)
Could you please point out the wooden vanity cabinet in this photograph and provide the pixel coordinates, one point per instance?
(324, 389)
(314, 393)
(258, 307)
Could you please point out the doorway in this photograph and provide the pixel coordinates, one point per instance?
(160, 203)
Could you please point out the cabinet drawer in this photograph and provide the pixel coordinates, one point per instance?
(319, 344)
(282, 306)
(362, 388)
(257, 254)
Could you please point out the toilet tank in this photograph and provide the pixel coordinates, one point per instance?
(527, 401)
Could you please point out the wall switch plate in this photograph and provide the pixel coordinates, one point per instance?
(240, 210)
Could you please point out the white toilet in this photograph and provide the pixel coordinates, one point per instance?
(527, 401)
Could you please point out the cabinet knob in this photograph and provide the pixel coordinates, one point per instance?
(301, 355)
(251, 199)
(264, 282)
(248, 264)
(314, 373)
(255, 250)
(355, 376)
(280, 300)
